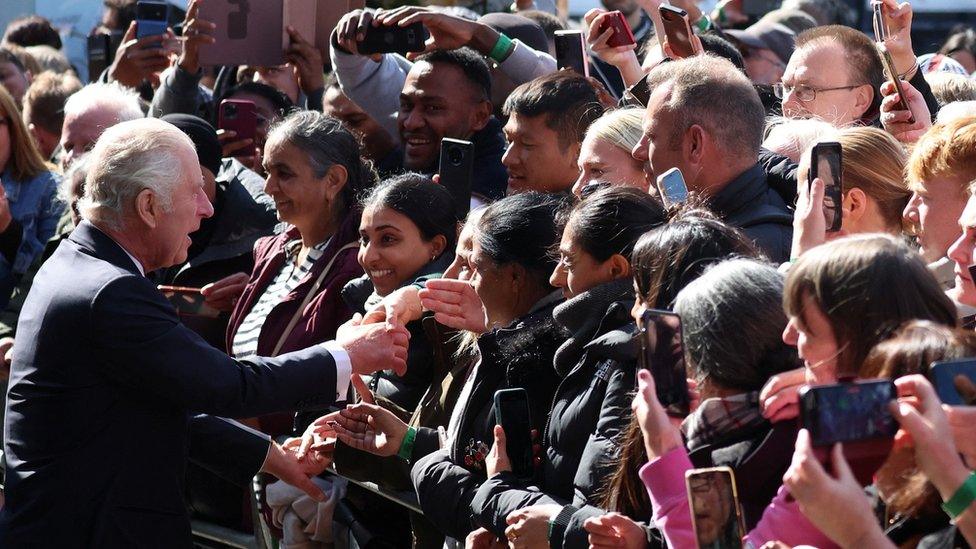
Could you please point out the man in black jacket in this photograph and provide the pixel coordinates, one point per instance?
(705, 118)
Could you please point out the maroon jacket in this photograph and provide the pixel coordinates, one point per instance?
(324, 313)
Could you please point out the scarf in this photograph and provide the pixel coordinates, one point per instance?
(582, 316)
(717, 418)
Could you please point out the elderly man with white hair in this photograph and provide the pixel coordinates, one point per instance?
(105, 379)
(89, 112)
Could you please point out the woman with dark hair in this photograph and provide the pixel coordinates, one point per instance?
(29, 208)
(292, 299)
(407, 236)
(503, 265)
(597, 364)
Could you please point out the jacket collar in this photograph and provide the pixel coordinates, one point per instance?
(742, 192)
(100, 245)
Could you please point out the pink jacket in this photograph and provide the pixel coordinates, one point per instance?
(664, 478)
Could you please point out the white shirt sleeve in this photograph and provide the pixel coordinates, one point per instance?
(343, 366)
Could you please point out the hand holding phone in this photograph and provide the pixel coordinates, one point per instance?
(238, 116)
(826, 163)
(152, 18)
(671, 186)
(456, 172)
(894, 78)
(681, 40)
(955, 381)
(393, 39)
(713, 500)
(621, 35)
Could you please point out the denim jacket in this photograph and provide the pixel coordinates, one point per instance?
(35, 206)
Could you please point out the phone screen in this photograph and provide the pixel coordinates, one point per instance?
(714, 502)
(640, 92)
(662, 354)
(672, 186)
(571, 52)
(848, 412)
(678, 31)
(825, 163)
(955, 381)
(512, 413)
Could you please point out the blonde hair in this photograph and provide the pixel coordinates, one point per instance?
(949, 88)
(946, 150)
(621, 127)
(25, 161)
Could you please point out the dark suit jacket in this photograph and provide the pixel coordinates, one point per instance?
(98, 420)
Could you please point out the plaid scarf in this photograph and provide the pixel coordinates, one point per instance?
(717, 419)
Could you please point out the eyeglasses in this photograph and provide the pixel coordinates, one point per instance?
(805, 93)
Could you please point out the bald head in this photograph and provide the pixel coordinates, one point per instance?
(91, 111)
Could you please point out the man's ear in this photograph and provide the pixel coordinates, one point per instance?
(863, 98)
(148, 209)
(481, 116)
(694, 144)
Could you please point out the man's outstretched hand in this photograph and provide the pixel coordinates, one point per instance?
(374, 347)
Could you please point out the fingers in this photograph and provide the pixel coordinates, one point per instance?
(592, 15)
(499, 447)
(362, 389)
(306, 485)
(920, 388)
(842, 470)
(191, 10)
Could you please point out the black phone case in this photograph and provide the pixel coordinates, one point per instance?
(518, 435)
(571, 53)
(670, 380)
(833, 193)
(456, 169)
(402, 40)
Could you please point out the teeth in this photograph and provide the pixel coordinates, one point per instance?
(376, 274)
(418, 141)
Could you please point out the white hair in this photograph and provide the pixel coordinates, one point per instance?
(790, 137)
(128, 158)
(955, 111)
(111, 97)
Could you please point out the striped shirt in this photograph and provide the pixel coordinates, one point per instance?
(291, 275)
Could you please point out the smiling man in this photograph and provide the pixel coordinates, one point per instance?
(108, 387)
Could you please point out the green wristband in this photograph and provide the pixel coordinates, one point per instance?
(962, 499)
(500, 51)
(406, 447)
(704, 24)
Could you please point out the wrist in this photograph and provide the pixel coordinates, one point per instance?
(961, 498)
(905, 62)
(188, 65)
(630, 70)
(872, 537)
(484, 39)
(406, 444)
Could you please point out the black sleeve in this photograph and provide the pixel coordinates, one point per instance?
(227, 448)
(445, 492)
(10, 240)
(922, 85)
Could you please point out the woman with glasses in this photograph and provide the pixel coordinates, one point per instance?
(29, 209)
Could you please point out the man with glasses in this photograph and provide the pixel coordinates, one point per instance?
(834, 74)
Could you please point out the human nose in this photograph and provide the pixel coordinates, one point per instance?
(413, 120)
(640, 150)
(558, 277)
(790, 334)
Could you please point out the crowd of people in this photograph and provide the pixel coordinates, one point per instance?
(243, 329)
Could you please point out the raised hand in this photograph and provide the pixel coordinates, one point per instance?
(896, 121)
(196, 32)
(138, 60)
(224, 293)
(624, 58)
(455, 304)
(447, 32)
(307, 60)
(374, 347)
(898, 18)
(809, 223)
(779, 398)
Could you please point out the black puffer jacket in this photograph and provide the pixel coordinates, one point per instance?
(590, 409)
(518, 356)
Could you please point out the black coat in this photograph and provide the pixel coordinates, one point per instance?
(748, 202)
(590, 410)
(98, 415)
(519, 356)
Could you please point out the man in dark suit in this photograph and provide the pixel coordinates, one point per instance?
(105, 380)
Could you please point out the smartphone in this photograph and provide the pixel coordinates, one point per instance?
(188, 301)
(892, 74)
(456, 169)
(639, 92)
(152, 18)
(571, 51)
(100, 55)
(622, 35)
(512, 413)
(677, 30)
(826, 163)
(878, 22)
(393, 39)
(848, 412)
(714, 503)
(671, 185)
(662, 354)
(954, 381)
(239, 116)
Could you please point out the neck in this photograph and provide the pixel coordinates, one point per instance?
(527, 300)
(708, 390)
(133, 242)
(319, 229)
(712, 181)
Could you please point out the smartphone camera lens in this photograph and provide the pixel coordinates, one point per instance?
(455, 156)
(230, 110)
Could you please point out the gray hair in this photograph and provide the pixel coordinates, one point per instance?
(791, 137)
(711, 92)
(732, 320)
(326, 142)
(128, 158)
(111, 97)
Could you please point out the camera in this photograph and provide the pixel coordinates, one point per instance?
(455, 156)
(230, 110)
